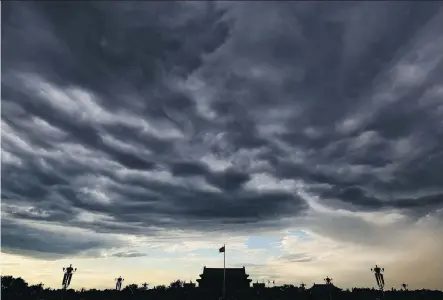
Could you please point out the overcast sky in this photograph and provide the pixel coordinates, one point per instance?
(138, 138)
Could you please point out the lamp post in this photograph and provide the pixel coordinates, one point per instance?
(67, 276)
(118, 283)
(378, 272)
(145, 285)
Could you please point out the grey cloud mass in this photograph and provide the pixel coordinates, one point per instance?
(36, 242)
(155, 116)
(129, 254)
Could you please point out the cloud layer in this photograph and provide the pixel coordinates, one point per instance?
(134, 125)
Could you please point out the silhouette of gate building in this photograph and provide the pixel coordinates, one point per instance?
(211, 280)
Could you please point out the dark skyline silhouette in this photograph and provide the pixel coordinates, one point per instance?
(12, 288)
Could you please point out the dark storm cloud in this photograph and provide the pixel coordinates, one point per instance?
(39, 243)
(189, 169)
(152, 116)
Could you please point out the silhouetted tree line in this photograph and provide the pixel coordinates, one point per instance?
(17, 288)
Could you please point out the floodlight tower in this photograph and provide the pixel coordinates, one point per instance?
(118, 283)
(67, 276)
(145, 285)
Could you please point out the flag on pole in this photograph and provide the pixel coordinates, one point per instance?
(223, 250)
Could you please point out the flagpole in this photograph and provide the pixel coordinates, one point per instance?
(224, 272)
